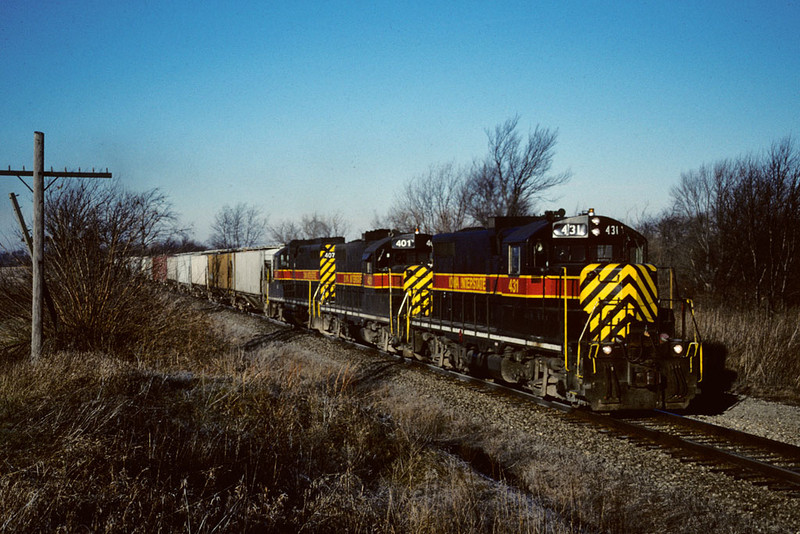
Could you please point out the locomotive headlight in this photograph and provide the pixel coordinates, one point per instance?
(595, 220)
(596, 231)
(607, 349)
(677, 348)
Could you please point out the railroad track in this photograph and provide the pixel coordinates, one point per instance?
(740, 455)
(760, 460)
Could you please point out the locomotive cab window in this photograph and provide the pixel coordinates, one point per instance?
(570, 253)
(382, 263)
(283, 261)
(636, 254)
(514, 259)
(605, 253)
(539, 255)
(415, 258)
(401, 259)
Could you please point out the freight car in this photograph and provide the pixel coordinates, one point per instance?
(565, 307)
(237, 277)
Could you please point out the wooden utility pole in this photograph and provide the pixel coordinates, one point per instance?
(37, 259)
(37, 255)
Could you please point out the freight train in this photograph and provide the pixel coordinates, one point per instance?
(564, 307)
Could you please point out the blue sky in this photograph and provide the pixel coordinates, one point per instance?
(298, 107)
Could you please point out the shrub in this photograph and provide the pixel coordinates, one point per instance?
(101, 303)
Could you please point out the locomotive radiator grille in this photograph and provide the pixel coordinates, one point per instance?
(615, 295)
(327, 272)
(418, 282)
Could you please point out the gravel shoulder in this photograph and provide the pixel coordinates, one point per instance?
(767, 419)
(546, 454)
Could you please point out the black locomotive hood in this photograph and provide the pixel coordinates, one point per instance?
(524, 233)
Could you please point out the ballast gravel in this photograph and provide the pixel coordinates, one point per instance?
(547, 454)
(767, 419)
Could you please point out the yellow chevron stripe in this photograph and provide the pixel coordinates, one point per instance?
(642, 307)
(615, 295)
(606, 275)
(418, 283)
(327, 272)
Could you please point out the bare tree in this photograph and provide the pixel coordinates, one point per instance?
(285, 231)
(433, 202)
(316, 225)
(238, 226)
(739, 232)
(152, 217)
(513, 176)
(765, 200)
(310, 226)
(699, 202)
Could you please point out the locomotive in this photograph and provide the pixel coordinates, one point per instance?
(564, 307)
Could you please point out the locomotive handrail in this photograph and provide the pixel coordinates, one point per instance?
(580, 339)
(400, 314)
(697, 342)
(592, 344)
(391, 323)
(697, 348)
(312, 308)
(690, 303)
(566, 346)
(594, 350)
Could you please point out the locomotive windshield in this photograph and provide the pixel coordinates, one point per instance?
(398, 252)
(621, 252)
(565, 253)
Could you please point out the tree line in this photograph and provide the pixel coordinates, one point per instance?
(731, 231)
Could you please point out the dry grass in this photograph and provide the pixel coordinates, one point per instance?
(155, 326)
(542, 486)
(283, 440)
(267, 443)
(760, 348)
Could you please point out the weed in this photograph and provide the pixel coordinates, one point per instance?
(762, 348)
